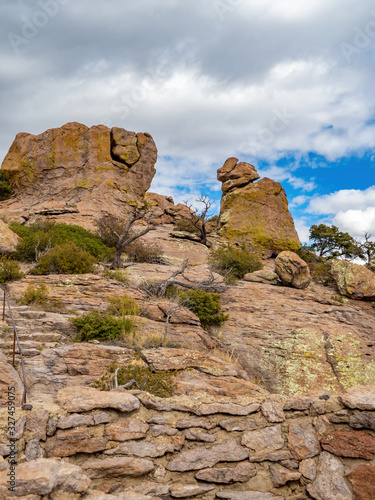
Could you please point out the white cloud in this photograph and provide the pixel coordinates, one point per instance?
(339, 201)
(356, 222)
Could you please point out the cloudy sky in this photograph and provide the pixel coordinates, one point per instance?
(287, 85)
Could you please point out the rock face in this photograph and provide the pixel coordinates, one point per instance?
(353, 280)
(292, 270)
(255, 213)
(8, 239)
(76, 172)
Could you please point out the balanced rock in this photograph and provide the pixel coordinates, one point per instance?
(74, 171)
(255, 213)
(292, 270)
(353, 280)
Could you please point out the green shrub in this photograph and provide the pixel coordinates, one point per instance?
(308, 254)
(108, 226)
(205, 305)
(103, 326)
(65, 259)
(320, 273)
(140, 251)
(9, 270)
(39, 297)
(116, 274)
(122, 306)
(186, 225)
(234, 262)
(43, 235)
(161, 384)
(5, 188)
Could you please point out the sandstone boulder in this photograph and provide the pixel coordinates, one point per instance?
(292, 270)
(255, 213)
(88, 399)
(8, 239)
(76, 172)
(353, 280)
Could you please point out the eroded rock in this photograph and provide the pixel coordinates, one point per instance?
(89, 399)
(330, 483)
(241, 473)
(117, 467)
(292, 270)
(353, 280)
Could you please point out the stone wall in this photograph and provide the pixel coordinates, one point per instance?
(129, 444)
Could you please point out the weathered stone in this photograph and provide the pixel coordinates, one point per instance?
(34, 450)
(130, 428)
(190, 490)
(199, 435)
(302, 440)
(271, 456)
(281, 475)
(186, 423)
(74, 171)
(262, 276)
(362, 478)
(292, 270)
(289, 464)
(308, 468)
(44, 476)
(354, 444)
(298, 403)
(353, 280)
(159, 404)
(201, 458)
(330, 483)
(117, 467)
(158, 420)
(8, 239)
(52, 425)
(36, 423)
(264, 440)
(89, 399)
(257, 214)
(143, 449)
(68, 442)
(241, 473)
(74, 420)
(102, 418)
(322, 425)
(247, 495)
(9, 378)
(241, 424)
(362, 420)
(360, 397)
(232, 409)
(273, 411)
(19, 429)
(162, 430)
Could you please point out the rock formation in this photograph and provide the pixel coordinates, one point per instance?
(292, 270)
(77, 173)
(255, 213)
(353, 280)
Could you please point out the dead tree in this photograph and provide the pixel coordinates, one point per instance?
(200, 220)
(128, 237)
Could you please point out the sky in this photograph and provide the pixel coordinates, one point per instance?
(286, 85)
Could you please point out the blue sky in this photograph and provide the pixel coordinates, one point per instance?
(285, 85)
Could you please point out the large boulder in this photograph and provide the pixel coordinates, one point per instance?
(292, 270)
(255, 213)
(77, 173)
(353, 280)
(8, 239)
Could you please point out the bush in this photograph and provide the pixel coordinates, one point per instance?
(65, 259)
(308, 254)
(139, 251)
(234, 262)
(44, 235)
(116, 274)
(186, 225)
(39, 297)
(5, 188)
(103, 326)
(108, 226)
(9, 270)
(205, 305)
(117, 322)
(320, 273)
(161, 384)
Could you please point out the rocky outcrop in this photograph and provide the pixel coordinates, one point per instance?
(292, 270)
(353, 280)
(255, 213)
(77, 173)
(157, 452)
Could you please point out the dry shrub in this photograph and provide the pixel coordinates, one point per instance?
(140, 251)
